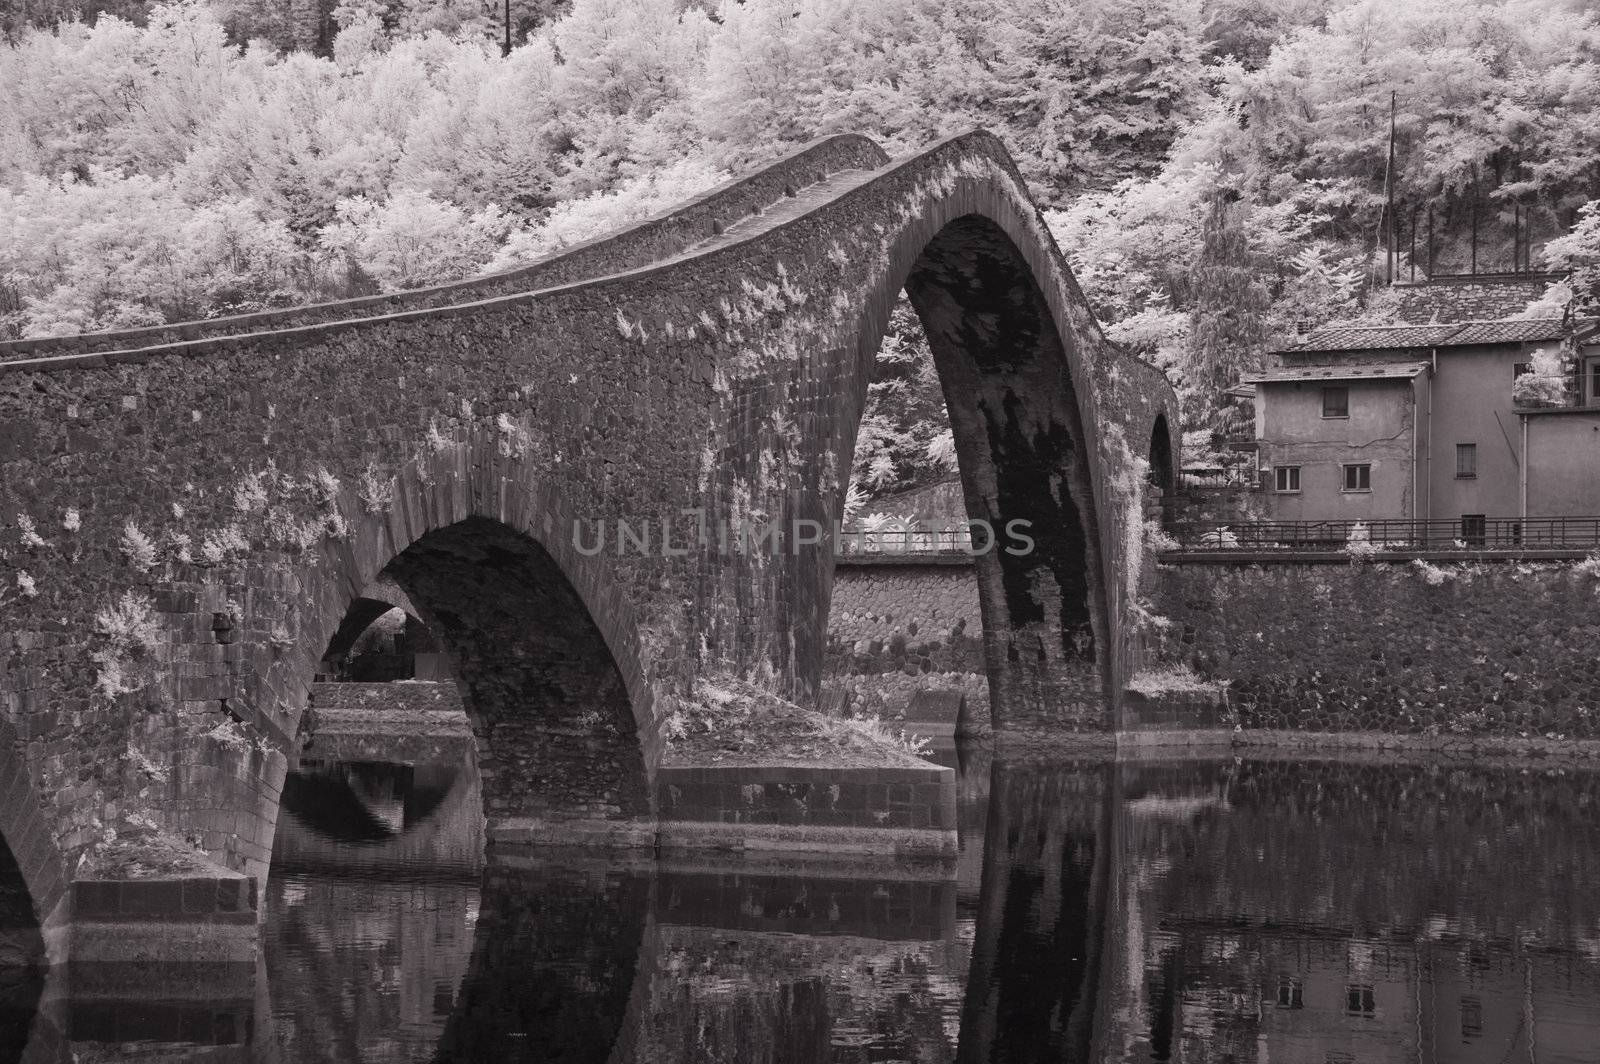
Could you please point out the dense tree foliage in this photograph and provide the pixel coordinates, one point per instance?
(1496, 113)
(1214, 168)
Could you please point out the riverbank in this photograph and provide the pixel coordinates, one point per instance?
(728, 722)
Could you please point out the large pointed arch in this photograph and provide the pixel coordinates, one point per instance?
(1015, 349)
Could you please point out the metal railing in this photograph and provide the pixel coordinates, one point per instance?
(896, 539)
(1470, 534)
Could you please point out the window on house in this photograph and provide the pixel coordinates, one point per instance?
(1594, 380)
(1286, 478)
(1519, 368)
(1471, 1018)
(1474, 529)
(1336, 402)
(1466, 460)
(1358, 1000)
(1358, 477)
(1289, 994)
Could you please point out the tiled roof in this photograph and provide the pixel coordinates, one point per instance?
(1392, 337)
(1374, 371)
(1374, 337)
(1527, 330)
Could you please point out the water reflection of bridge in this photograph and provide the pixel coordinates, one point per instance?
(369, 819)
(1269, 911)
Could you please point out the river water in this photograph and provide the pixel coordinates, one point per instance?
(1267, 910)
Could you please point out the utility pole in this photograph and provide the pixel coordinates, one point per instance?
(1430, 241)
(1474, 219)
(505, 49)
(1411, 266)
(1388, 217)
(1516, 240)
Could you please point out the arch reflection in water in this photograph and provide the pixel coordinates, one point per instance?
(1270, 910)
(21, 959)
(1287, 911)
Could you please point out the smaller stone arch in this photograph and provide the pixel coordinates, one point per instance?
(558, 728)
(416, 655)
(1163, 458)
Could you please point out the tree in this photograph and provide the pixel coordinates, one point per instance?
(412, 239)
(1093, 90)
(1228, 332)
(1578, 255)
(116, 251)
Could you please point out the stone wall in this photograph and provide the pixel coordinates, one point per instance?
(1492, 649)
(895, 629)
(1212, 506)
(1464, 299)
(810, 810)
(407, 698)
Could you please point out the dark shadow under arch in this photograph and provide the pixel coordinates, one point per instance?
(326, 802)
(33, 883)
(22, 959)
(1162, 475)
(363, 613)
(558, 733)
(1024, 456)
(559, 967)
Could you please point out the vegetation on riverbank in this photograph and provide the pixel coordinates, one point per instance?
(728, 721)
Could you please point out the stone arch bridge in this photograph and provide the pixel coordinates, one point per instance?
(188, 512)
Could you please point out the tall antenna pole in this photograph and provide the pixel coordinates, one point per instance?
(1389, 219)
(1516, 240)
(1474, 219)
(1431, 270)
(1411, 265)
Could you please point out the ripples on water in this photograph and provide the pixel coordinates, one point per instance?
(1272, 911)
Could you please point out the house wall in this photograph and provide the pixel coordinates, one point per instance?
(1472, 404)
(1422, 395)
(1468, 400)
(1292, 431)
(1564, 463)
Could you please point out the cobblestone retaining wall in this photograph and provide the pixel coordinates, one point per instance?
(894, 630)
(1492, 649)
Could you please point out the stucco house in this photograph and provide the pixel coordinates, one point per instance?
(1419, 422)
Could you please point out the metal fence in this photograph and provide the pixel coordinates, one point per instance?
(1467, 533)
(897, 539)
